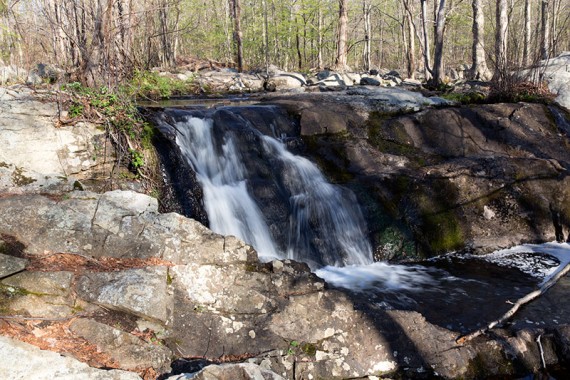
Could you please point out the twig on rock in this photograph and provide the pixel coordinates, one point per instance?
(517, 305)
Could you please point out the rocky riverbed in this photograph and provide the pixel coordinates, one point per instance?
(123, 291)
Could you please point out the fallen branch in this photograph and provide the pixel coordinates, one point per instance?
(516, 306)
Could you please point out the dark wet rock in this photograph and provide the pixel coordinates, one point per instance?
(480, 177)
(366, 81)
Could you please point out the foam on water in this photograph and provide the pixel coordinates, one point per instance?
(549, 258)
(553, 257)
(380, 276)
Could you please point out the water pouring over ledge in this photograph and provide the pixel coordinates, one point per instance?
(323, 224)
(281, 204)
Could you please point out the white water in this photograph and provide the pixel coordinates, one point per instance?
(382, 276)
(230, 209)
(347, 253)
(312, 197)
(325, 222)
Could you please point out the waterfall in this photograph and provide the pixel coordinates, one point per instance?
(324, 224)
(230, 208)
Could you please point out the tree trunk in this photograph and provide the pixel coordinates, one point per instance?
(320, 38)
(479, 69)
(426, 54)
(501, 37)
(340, 62)
(366, 10)
(545, 29)
(236, 14)
(527, 33)
(438, 44)
(411, 48)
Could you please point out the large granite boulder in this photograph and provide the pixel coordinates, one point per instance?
(37, 156)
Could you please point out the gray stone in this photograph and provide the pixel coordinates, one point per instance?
(37, 156)
(129, 351)
(367, 81)
(556, 72)
(10, 264)
(288, 81)
(241, 371)
(142, 292)
(24, 361)
(11, 75)
(41, 294)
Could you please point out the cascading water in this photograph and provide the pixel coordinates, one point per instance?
(326, 226)
(334, 212)
(281, 204)
(230, 208)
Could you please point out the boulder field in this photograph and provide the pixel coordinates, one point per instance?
(118, 290)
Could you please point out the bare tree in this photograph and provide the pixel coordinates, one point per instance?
(426, 43)
(479, 69)
(366, 11)
(411, 40)
(340, 61)
(235, 8)
(545, 29)
(527, 33)
(438, 42)
(501, 38)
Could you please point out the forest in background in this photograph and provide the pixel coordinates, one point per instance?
(102, 42)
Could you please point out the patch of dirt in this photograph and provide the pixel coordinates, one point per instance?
(55, 336)
(72, 262)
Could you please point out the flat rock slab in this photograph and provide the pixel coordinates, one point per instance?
(129, 351)
(10, 264)
(24, 361)
(38, 156)
(242, 371)
(142, 292)
(41, 294)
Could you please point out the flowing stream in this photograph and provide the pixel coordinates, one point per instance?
(281, 204)
(323, 220)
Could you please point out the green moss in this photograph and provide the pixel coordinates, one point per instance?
(169, 277)
(443, 231)
(20, 179)
(439, 224)
(472, 97)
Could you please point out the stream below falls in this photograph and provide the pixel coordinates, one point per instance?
(280, 203)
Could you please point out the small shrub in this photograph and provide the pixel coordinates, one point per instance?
(151, 85)
(515, 88)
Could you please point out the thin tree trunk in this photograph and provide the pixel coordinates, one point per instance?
(236, 14)
(527, 33)
(298, 44)
(545, 29)
(479, 69)
(320, 38)
(411, 48)
(366, 10)
(426, 54)
(438, 48)
(340, 61)
(501, 38)
(265, 36)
